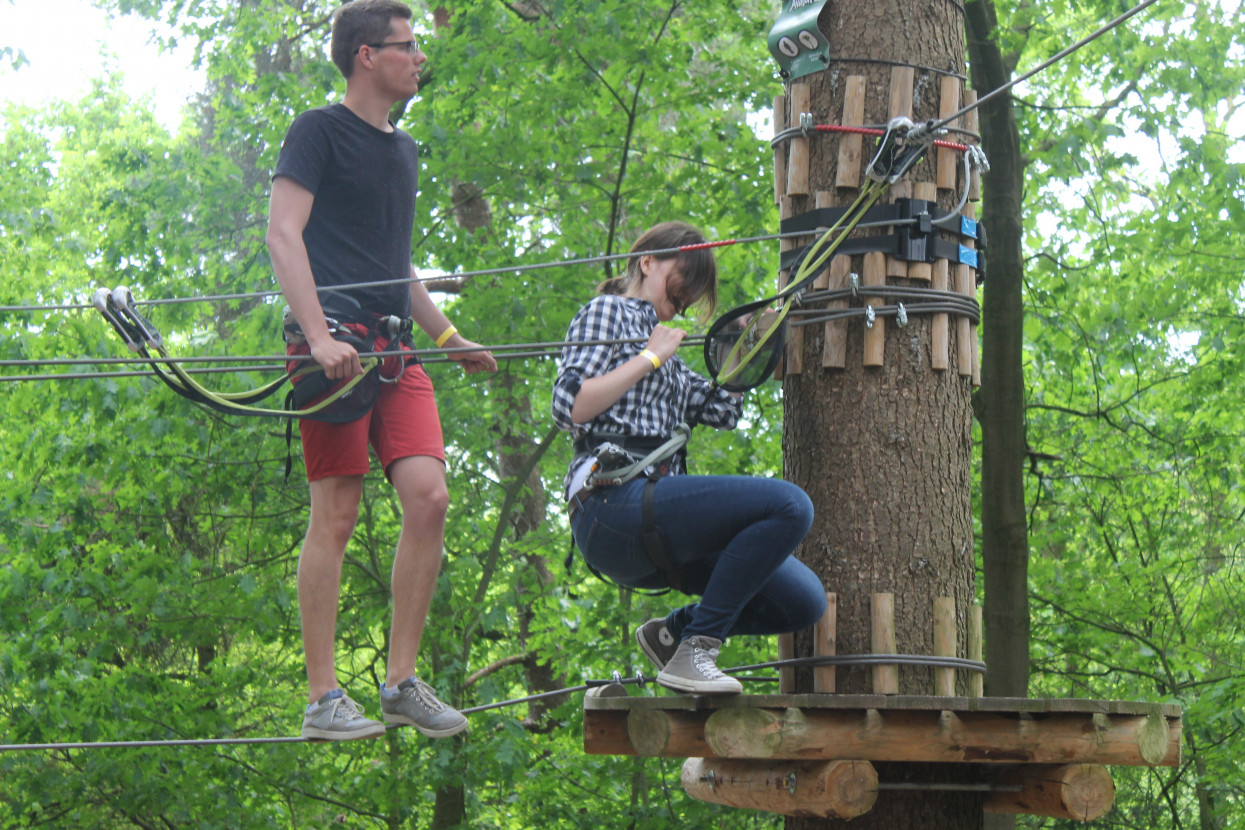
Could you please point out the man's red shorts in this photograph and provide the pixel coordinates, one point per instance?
(403, 422)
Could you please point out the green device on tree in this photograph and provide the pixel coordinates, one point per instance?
(795, 41)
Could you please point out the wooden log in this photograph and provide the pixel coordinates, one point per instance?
(606, 734)
(935, 737)
(825, 789)
(923, 270)
(797, 159)
(847, 174)
(825, 644)
(944, 644)
(963, 327)
(834, 352)
(939, 351)
(902, 80)
(660, 731)
(875, 338)
(786, 209)
(948, 159)
(882, 613)
(1083, 792)
(976, 680)
(966, 331)
(822, 199)
(786, 674)
(793, 352)
(970, 124)
(780, 151)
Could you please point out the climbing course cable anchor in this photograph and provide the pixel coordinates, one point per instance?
(902, 145)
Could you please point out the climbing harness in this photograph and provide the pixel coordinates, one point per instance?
(614, 462)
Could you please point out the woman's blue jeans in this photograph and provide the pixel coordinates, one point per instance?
(731, 537)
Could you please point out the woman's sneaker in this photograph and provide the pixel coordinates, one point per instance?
(694, 669)
(656, 641)
(415, 704)
(336, 717)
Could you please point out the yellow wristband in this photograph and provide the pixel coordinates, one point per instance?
(652, 357)
(446, 335)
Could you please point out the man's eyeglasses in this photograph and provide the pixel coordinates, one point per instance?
(409, 46)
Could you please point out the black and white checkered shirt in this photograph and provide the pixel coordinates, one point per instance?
(658, 402)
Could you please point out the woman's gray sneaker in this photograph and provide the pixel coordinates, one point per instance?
(415, 704)
(693, 669)
(336, 717)
(656, 641)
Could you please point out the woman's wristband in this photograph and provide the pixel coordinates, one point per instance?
(446, 335)
(652, 357)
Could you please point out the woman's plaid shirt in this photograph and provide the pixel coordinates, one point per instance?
(655, 405)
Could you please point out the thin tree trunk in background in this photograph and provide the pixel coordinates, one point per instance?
(1000, 401)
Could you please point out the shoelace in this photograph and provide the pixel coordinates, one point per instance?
(703, 659)
(426, 697)
(346, 709)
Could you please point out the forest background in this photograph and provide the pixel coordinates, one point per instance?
(148, 548)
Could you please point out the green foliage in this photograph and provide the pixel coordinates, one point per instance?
(149, 548)
(148, 583)
(1133, 332)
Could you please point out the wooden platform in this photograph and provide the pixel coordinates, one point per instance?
(892, 728)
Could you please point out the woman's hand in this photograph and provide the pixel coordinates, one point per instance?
(665, 340)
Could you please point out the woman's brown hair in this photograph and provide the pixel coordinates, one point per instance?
(698, 270)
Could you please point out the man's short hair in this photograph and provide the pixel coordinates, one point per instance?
(360, 22)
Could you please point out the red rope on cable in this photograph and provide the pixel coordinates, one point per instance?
(701, 245)
(839, 128)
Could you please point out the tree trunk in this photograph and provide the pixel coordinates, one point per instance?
(884, 452)
(1000, 401)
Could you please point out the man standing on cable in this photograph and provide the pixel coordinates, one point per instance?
(342, 211)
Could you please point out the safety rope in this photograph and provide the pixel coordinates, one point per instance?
(461, 275)
(924, 129)
(639, 679)
(947, 302)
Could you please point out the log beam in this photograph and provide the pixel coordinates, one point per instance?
(1083, 792)
(952, 733)
(824, 789)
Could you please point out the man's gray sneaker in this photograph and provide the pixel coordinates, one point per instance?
(656, 641)
(336, 717)
(415, 704)
(694, 669)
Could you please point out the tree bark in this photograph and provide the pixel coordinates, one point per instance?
(1000, 401)
(884, 452)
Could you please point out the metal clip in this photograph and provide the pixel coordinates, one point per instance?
(102, 300)
(806, 123)
(870, 316)
(124, 302)
(616, 677)
(977, 156)
(711, 779)
(901, 316)
(790, 782)
(902, 146)
(853, 280)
